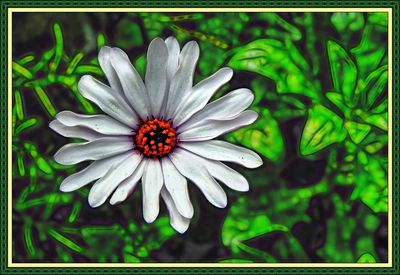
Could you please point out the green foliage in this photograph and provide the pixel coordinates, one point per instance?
(323, 128)
(320, 84)
(279, 61)
(264, 136)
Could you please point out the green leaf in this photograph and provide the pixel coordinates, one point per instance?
(264, 136)
(375, 142)
(45, 100)
(128, 258)
(343, 72)
(347, 21)
(240, 226)
(372, 183)
(59, 48)
(74, 62)
(366, 258)
(371, 51)
(323, 128)
(357, 131)
(378, 18)
(337, 99)
(377, 120)
(28, 239)
(101, 40)
(30, 122)
(374, 86)
(19, 105)
(65, 241)
(21, 70)
(275, 60)
(21, 165)
(41, 163)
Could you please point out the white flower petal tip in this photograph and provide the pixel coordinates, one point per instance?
(181, 227)
(65, 188)
(177, 221)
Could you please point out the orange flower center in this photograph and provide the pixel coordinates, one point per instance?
(155, 138)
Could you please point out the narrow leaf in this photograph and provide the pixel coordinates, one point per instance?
(343, 72)
(65, 241)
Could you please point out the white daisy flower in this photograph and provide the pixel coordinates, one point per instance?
(159, 133)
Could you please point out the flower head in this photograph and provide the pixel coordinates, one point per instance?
(158, 132)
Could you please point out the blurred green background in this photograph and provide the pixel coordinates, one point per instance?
(320, 83)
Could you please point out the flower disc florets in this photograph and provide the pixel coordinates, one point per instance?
(155, 138)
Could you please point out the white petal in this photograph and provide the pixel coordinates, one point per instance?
(156, 74)
(227, 106)
(128, 185)
(223, 151)
(94, 171)
(93, 150)
(225, 174)
(132, 84)
(105, 64)
(99, 123)
(103, 188)
(74, 132)
(152, 182)
(177, 221)
(191, 166)
(182, 81)
(107, 99)
(176, 185)
(173, 56)
(209, 129)
(200, 95)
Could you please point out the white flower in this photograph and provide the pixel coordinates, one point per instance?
(158, 133)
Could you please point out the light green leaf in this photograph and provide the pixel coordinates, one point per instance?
(101, 40)
(45, 100)
(278, 61)
(19, 105)
(263, 136)
(366, 258)
(28, 123)
(65, 241)
(343, 72)
(357, 131)
(323, 128)
(59, 47)
(74, 62)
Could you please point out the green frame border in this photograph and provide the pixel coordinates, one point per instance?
(5, 4)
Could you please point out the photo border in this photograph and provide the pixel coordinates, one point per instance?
(7, 267)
